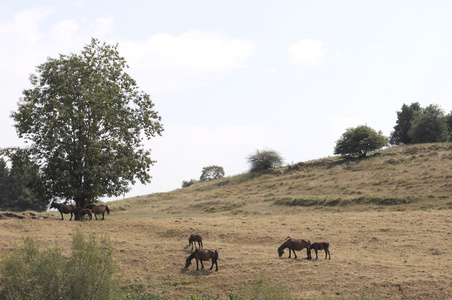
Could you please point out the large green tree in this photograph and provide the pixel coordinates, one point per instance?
(429, 126)
(404, 121)
(86, 120)
(359, 141)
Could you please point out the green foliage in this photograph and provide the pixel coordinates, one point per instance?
(264, 160)
(86, 120)
(30, 274)
(359, 141)
(211, 173)
(189, 183)
(429, 126)
(449, 126)
(403, 124)
(18, 185)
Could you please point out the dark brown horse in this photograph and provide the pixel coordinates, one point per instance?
(320, 246)
(64, 209)
(81, 212)
(203, 255)
(98, 209)
(193, 239)
(295, 244)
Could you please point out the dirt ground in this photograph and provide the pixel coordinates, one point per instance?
(400, 255)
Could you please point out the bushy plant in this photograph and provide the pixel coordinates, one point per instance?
(32, 274)
(359, 141)
(264, 160)
(189, 183)
(211, 172)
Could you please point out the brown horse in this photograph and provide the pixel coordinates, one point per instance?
(81, 212)
(203, 255)
(193, 239)
(320, 246)
(98, 209)
(64, 209)
(295, 244)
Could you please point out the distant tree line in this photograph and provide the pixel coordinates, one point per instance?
(416, 125)
(15, 186)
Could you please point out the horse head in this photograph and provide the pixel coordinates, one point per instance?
(187, 262)
(280, 251)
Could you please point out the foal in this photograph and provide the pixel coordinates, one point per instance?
(295, 244)
(193, 239)
(203, 255)
(320, 246)
(81, 212)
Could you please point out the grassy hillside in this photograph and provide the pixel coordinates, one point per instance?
(387, 218)
(399, 178)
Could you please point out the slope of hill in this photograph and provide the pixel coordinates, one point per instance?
(398, 178)
(387, 218)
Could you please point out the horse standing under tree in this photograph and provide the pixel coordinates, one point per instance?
(193, 239)
(295, 244)
(81, 212)
(203, 255)
(98, 209)
(64, 209)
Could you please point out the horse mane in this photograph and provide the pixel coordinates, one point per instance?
(192, 255)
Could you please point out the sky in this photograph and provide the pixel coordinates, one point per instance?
(232, 77)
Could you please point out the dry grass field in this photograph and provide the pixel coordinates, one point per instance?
(388, 219)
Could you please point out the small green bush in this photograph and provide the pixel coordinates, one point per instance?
(30, 274)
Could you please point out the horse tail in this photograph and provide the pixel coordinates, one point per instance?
(108, 211)
(216, 255)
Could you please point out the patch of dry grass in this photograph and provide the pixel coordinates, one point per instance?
(387, 218)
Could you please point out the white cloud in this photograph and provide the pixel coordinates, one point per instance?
(65, 30)
(24, 26)
(340, 124)
(191, 50)
(307, 51)
(102, 26)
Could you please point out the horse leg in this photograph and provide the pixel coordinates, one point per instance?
(197, 268)
(294, 253)
(202, 265)
(71, 216)
(328, 254)
(103, 216)
(95, 215)
(61, 216)
(316, 256)
(308, 252)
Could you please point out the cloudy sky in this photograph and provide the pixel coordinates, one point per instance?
(232, 77)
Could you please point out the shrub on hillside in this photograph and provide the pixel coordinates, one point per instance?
(264, 160)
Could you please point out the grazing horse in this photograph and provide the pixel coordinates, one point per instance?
(193, 239)
(64, 209)
(81, 212)
(320, 246)
(203, 255)
(295, 244)
(98, 209)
